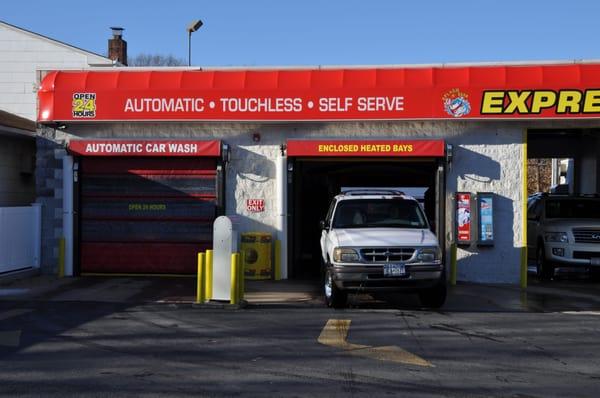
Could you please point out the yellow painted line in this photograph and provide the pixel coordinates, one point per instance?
(10, 338)
(391, 353)
(14, 312)
(335, 334)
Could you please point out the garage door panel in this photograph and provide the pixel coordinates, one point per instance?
(147, 231)
(146, 215)
(141, 257)
(141, 208)
(151, 185)
(113, 165)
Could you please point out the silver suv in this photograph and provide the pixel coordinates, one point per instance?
(563, 230)
(380, 241)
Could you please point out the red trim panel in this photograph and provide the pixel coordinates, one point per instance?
(150, 165)
(348, 148)
(172, 258)
(145, 148)
(468, 92)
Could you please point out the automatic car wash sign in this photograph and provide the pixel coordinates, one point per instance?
(445, 92)
(145, 148)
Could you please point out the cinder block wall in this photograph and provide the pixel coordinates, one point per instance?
(48, 182)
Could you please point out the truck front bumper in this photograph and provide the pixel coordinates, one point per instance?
(368, 278)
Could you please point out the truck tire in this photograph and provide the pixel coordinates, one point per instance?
(434, 297)
(334, 297)
(543, 269)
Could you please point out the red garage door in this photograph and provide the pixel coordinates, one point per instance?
(145, 214)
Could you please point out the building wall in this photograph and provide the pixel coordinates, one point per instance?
(17, 157)
(23, 54)
(49, 185)
(487, 158)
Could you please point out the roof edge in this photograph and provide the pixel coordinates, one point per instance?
(61, 43)
(118, 67)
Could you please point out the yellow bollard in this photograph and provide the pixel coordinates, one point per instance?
(241, 281)
(209, 271)
(200, 293)
(235, 265)
(523, 267)
(525, 182)
(453, 267)
(277, 273)
(61, 258)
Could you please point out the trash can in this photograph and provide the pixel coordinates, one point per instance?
(256, 255)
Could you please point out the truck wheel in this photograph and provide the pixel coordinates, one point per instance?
(334, 297)
(434, 297)
(595, 274)
(543, 270)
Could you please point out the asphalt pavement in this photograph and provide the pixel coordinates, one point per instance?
(73, 337)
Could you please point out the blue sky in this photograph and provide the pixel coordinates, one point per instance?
(326, 32)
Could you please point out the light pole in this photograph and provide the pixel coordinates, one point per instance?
(194, 26)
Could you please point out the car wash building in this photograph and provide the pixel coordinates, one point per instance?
(152, 157)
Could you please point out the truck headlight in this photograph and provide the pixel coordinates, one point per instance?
(560, 237)
(428, 255)
(344, 255)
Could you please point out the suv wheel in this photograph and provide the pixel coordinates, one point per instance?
(544, 270)
(434, 297)
(334, 297)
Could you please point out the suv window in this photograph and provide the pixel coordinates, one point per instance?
(378, 213)
(330, 212)
(534, 210)
(572, 208)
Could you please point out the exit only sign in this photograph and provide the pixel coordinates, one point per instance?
(255, 205)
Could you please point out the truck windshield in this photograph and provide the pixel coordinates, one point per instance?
(573, 208)
(379, 213)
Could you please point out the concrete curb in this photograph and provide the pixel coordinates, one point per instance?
(18, 275)
(218, 305)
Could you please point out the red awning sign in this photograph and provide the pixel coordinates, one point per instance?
(385, 148)
(445, 92)
(144, 148)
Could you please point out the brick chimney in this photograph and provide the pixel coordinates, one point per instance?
(117, 47)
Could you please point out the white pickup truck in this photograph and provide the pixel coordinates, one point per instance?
(380, 241)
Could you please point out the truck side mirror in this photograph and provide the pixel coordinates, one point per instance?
(323, 225)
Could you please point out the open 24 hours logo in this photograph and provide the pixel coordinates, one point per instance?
(84, 105)
(456, 103)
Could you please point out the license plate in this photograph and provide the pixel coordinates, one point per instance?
(394, 270)
(595, 260)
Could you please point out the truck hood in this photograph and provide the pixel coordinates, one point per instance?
(384, 237)
(566, 224)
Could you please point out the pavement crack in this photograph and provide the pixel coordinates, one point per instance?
(469, 335)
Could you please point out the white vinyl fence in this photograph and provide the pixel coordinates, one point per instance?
(20, 237)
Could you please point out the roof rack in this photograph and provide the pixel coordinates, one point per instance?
(352, 192)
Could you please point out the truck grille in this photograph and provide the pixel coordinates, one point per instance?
(585, 255)
(586, 235)
(387, 255)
